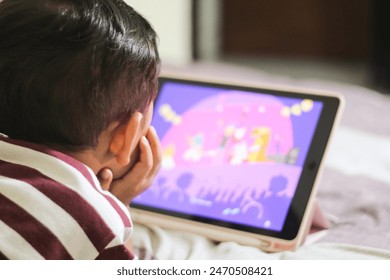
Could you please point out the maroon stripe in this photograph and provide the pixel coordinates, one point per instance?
(75, 164)
(32, 231)
(76, 206)
(119, 252)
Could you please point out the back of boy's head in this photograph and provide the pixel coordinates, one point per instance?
(70, 68)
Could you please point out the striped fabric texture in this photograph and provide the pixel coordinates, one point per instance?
(52, 207)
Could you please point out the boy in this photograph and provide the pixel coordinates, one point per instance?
(77, 84)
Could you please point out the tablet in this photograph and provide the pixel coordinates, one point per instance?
(239, 162)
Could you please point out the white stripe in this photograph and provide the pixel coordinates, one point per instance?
(67, 175)
(48, 213)
(114, 242)
(14, 246)
(357, 152)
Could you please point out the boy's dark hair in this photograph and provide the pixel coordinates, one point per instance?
(69, 68)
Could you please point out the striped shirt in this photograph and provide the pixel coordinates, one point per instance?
(53, 207)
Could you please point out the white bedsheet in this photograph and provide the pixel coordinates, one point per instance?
(174, 245)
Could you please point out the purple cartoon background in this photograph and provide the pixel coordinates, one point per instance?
(230, 155)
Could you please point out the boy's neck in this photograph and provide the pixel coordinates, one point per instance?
(95, 158)
(89, 158)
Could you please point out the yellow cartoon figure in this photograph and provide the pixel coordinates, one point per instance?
(168, 161)
(259, 147)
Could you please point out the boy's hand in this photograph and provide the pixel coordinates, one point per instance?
(141, 175)
(105, 177)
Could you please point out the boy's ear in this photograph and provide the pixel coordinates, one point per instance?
(125, 138)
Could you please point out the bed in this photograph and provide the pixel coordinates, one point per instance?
(354, 189)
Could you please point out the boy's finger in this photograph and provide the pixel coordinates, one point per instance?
(146, 155)
(134, 182)
(105, 177)
(142, 168)
(156, 150)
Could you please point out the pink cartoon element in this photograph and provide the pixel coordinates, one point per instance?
(239, 152)
(238, 133)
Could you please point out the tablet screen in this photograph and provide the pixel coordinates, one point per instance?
(231, 155)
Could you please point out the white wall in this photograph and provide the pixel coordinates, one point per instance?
(172, 21)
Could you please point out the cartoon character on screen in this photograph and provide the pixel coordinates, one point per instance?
(258, 149)
(195, 151)
(168, 160)
(169, 115)
(178, 192)
(221, 154)
(227, 134)
(158, 186)
(249, 203)
(239, 152)
(292, 156)
(276, 199)
(220, 151)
